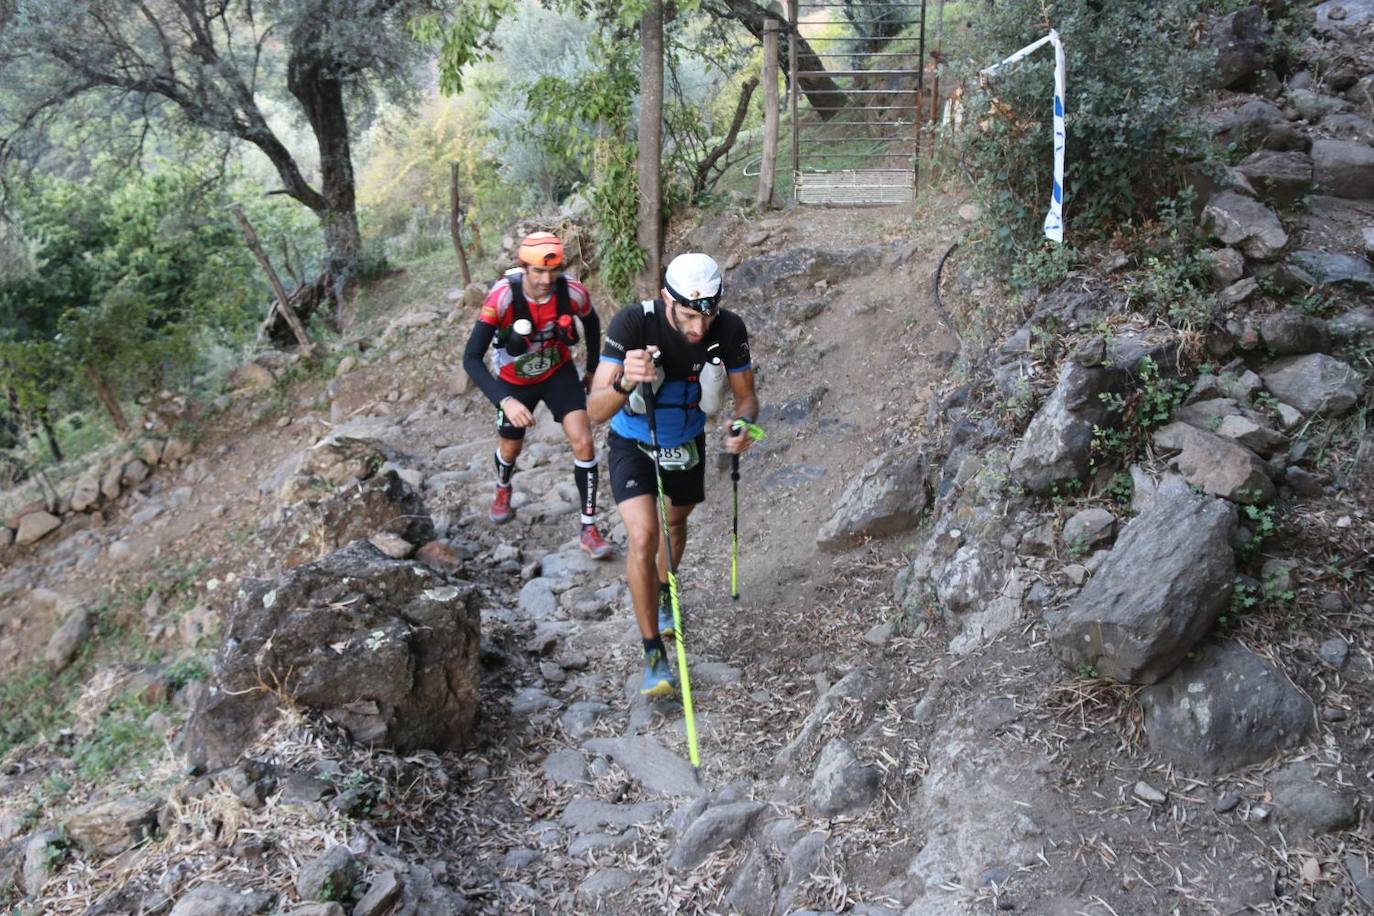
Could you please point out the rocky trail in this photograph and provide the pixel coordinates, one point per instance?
(1068, 613)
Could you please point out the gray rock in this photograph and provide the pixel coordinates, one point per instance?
(586, 815)
(1159, 591)
(1347, 125)
(1226, 266)
(329, 877)
(1354, 324)
(531, 700)
(1306, 803)
(1314, 106)
(212, 900)
(1343, 168)
(565, 767)
(712, 830)
(582, 717)
(1288, 333)
(658, 770)
(1240, 40)
(751, 892)
(599, 842)
(67, 640)
(384, 890)
(1247, 224)
(1090, 527)
(1224, 708)
(35, 526)
(87, 492)
(888, 496)
(1334, 652)
(603, 882)
(860, 689)
(110, 826)
(1220, 466)
(1334, 268)
(1280, 177)
(399, 667)
(1238, 292)
(841, 784)
(537, 599)
(1314, 384)
(42, 853)
(801, 860)
(1057, 444)
(1257, 438)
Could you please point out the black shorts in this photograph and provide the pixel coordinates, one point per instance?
(632, 473)
(562, 391)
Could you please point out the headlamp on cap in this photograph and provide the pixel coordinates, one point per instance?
(694, 280)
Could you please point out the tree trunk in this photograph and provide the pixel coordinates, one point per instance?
(768, 166)
(455, 223)
(105, 394)
(650, 163)
(322, 97)
(45, 421)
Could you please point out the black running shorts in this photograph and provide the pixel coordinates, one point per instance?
(632, 473)
(562, 391)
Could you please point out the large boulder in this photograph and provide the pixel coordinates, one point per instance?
(1158, 592)
(1314, 383)
(1225, 708)
(1219, 465)
(887, 497)
(1343, 168)
(388, 649)
(1058, 442)
(1245, 223)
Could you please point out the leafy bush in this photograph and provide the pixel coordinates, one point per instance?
(1131, 78)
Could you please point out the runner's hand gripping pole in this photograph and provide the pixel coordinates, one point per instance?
(647, 391)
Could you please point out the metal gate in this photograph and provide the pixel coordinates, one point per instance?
(856, 141)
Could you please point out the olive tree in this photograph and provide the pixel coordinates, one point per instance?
(211, 64)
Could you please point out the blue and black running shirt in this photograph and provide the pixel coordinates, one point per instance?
(677, 414)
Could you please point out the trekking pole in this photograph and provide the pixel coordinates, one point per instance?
(737, 428)
(688, 716)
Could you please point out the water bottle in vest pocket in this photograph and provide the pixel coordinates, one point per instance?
(712, 381)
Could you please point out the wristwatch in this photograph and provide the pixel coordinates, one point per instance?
(615, 386)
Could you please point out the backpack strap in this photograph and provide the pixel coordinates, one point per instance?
(519, 305)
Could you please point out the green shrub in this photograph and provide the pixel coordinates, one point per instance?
(1131, 78)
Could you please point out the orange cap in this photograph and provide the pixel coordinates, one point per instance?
(541, 249)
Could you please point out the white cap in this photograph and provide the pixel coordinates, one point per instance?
(693, 276)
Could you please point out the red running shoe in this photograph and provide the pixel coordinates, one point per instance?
(594, 545)
(501, 512)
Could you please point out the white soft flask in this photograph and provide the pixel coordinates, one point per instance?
(712, 381)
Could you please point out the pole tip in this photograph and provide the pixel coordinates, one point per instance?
(735, 596)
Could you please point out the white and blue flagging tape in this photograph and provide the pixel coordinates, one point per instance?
(1054, 219)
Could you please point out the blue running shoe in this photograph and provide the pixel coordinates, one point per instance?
(658, 678)
(665, 621)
